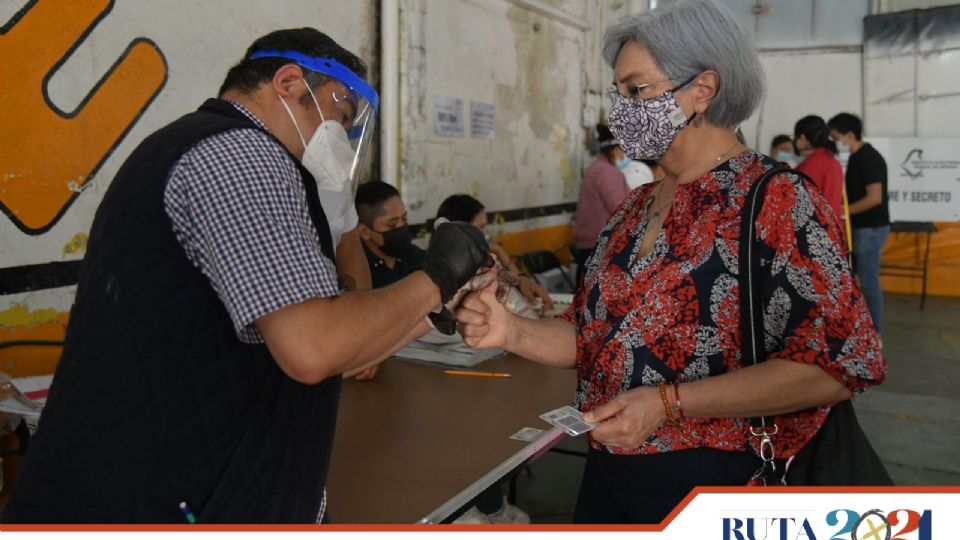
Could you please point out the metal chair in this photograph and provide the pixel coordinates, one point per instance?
(540, 261)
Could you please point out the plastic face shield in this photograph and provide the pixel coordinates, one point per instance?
(365, 101)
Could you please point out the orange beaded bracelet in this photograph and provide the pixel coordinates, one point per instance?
(671, 419)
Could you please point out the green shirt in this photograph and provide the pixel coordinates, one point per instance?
(382, 275)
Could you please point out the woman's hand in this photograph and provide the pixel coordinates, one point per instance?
(531, 290)
(629, 419)
(483, 321)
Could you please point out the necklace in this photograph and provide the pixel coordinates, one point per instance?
(721, 156)
(657, 213)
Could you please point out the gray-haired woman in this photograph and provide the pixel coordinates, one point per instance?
(653, 331)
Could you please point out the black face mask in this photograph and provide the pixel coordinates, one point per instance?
(396, 241)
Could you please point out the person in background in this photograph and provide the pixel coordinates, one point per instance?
(388, 244)
(653, 330)
(781, 149)
(603, 189)
(463, 207)
(639, 172)
(812, 138)
(866, 184)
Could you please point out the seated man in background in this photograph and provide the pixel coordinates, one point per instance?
(392, 255)
(387, 240)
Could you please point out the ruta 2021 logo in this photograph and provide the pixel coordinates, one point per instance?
(839, 524)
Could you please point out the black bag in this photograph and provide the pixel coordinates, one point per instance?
(839, 454)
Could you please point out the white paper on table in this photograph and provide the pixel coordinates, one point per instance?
(31, 390)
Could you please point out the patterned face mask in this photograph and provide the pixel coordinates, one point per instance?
(646, 127)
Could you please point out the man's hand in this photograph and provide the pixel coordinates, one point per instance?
(457, 250)
(629, 419)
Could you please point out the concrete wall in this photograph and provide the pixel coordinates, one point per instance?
(530, 67)
(84, 83)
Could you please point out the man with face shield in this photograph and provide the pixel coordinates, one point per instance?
(335, 153)
(201, 370)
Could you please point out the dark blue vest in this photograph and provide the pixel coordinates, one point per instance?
(155, 401)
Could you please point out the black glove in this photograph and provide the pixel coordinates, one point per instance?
(457, 250)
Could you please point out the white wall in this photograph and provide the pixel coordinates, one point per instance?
(199, 42)
(529, 66)
(800, 83)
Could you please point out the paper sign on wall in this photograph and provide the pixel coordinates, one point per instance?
(923, 178)
(483, 120)
(448, 116)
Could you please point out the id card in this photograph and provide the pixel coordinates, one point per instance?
(568, 419)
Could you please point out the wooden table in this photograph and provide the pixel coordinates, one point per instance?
(417, 445)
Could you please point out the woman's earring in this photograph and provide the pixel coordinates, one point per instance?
(698, 121)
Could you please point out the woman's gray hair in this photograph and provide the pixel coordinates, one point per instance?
(692, 36)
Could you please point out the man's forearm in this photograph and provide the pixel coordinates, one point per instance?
(321, 337)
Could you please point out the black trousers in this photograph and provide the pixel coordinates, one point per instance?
(645, 488)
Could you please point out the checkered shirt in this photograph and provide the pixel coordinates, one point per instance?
(239, 209)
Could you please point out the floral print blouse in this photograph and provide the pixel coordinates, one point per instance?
(673, 314)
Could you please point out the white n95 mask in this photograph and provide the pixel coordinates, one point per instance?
(328, 156)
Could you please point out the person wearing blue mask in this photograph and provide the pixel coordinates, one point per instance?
(200, 374)
(602, 189)
(781, 149)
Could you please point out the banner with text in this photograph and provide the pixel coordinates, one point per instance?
(923, 178)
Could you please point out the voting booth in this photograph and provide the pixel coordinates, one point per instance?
(922, 255)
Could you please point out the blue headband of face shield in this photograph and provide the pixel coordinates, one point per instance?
(330, 67)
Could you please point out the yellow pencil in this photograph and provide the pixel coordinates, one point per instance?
(477, 373)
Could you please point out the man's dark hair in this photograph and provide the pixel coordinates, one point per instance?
(780, 139)
(248, 75)
(816, 131)
(847, 123)
(460, 208)
(370, 198)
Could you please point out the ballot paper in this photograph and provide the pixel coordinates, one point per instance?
(437, 348)
(568, 419)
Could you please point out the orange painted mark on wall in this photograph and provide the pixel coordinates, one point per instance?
(47, 155)
(32, 358)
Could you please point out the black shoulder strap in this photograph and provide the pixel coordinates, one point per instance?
(751, 301)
